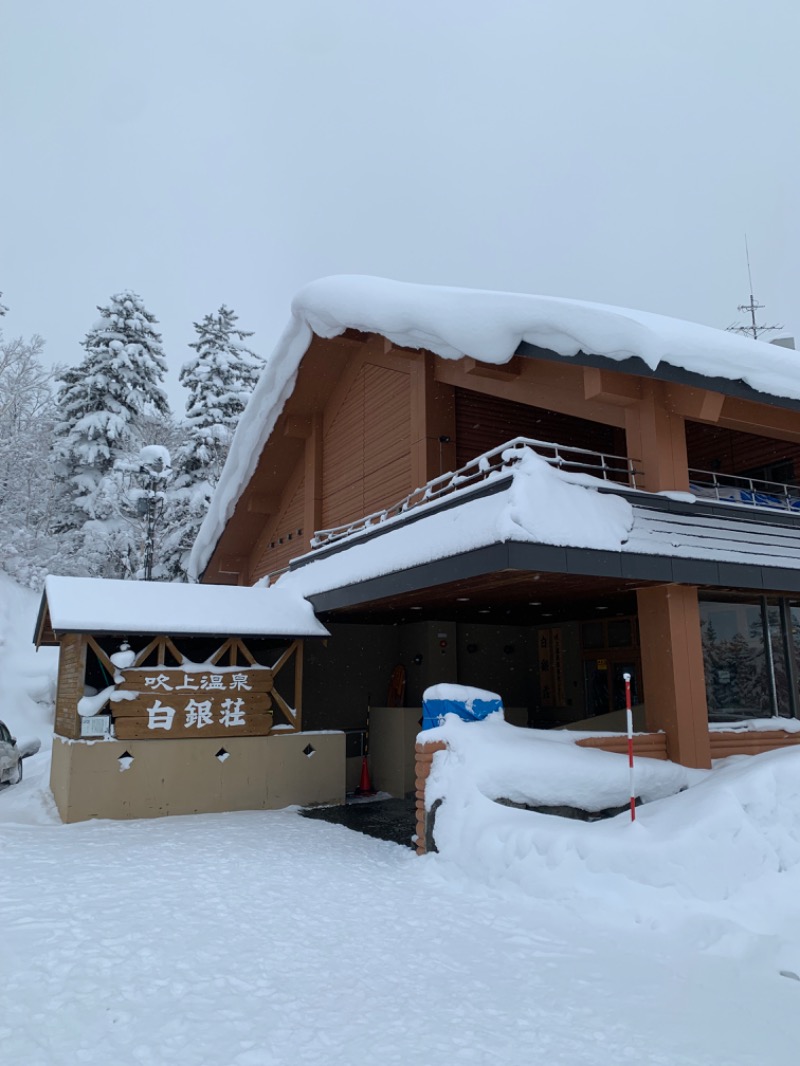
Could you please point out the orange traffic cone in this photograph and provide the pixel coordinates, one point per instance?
(365, 785)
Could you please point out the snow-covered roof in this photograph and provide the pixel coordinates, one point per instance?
(94, 605)
(487, 326)
(578, 515)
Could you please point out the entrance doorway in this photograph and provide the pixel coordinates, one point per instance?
(610, 649)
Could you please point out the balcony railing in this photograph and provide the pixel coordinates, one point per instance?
(616, 469)
(745, 491)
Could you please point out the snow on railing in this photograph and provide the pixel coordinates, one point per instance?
(618, 469)
(745, 491)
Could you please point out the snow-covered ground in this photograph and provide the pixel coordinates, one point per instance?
(262, 938)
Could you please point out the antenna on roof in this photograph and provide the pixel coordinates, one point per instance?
(753, 330)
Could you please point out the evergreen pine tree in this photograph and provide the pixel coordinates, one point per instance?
(220, 379)
(103, 406)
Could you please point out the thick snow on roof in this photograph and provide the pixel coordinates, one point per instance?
(85, 605)
(487, 326)
(544, 505)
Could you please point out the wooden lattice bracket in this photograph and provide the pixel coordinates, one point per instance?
(229, 693)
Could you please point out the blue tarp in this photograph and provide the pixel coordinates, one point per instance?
(469, 709)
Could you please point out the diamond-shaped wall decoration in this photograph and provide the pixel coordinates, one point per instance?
(308, 751)
(222, 755)
(125, 761)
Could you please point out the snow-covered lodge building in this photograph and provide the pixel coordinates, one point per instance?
(525, 494)
(532, 495)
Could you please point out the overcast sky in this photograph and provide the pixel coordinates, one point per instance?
(203, 152)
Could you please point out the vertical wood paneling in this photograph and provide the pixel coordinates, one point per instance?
(343, 459)
(286, 537)
(387, 437)
(366, 449)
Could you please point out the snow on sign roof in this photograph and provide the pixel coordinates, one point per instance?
(94, 605)
(488, 326)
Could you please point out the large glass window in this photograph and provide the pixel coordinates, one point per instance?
(745, 655)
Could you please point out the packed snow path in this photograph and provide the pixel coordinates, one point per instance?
(262, 938)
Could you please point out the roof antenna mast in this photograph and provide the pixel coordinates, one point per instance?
(753, 330)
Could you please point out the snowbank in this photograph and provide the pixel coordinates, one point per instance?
(727, 848)
(488, 326)
(544, 768)
(27, 677)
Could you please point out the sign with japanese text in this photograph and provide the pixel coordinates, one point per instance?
(168, 702)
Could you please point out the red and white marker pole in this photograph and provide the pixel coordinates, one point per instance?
(629, 713)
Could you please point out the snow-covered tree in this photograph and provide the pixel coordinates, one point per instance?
(121, 537)
(27, 415)
(220, 379)
(105, 406)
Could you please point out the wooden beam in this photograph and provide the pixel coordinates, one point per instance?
(142, 655)
(179, 656)
(699, 405)
(554, 386)
(218, 654)
(289, 714)
(101, 655)
(285, 657)
(608, 387)
(497, 371)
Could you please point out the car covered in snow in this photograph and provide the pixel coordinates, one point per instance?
(11, 756)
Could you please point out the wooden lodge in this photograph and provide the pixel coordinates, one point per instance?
(388, 431)
(526, 495)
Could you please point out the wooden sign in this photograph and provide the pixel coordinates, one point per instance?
(173, 703)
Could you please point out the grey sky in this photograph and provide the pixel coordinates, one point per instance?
(202, 152)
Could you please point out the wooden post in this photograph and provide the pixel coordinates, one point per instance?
(673, 673)
(71, 681)
(425, 752)
(298, 684)
(656, 436)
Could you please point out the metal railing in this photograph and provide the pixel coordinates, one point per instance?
(745, 491)
(617, 469)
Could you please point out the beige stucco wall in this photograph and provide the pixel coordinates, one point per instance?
(185, 777)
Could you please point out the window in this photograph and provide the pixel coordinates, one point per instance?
(746, 659)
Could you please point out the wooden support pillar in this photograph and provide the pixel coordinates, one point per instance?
(425, 751)
(71, 682)
(312, 481)
(298, 685)
(433, 423)
(656, 436)
(673, 674)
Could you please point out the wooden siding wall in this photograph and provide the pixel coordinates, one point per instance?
(731, 452)
(285, 537)
(484, 422)
(367, 446)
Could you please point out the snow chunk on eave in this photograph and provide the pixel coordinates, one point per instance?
(86, 605)
(487, 326)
